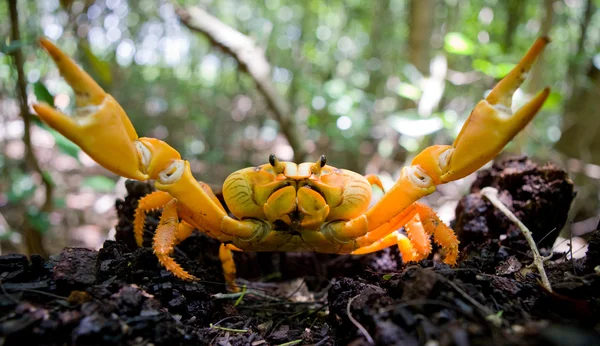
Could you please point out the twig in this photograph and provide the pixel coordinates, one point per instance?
(252, 59)
(225, 329)
(290, 343)
(33, 238)
(492, 195)
(360, 327)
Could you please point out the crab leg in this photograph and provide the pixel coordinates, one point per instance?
(226, 257)
(166, 237)
(488, 129)
(152, 202)
(415, 245)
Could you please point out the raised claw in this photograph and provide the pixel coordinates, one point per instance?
(100, 126)
(492, 124)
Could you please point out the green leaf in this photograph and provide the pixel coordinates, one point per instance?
(65, 145)
(23, 187)
(457, 43)
(38, 219)
(553, 102)
(386, 277)
(99, 183)
(101, 68)
(495, 70)
(42, 93)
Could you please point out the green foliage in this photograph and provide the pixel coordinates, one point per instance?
(458, 43)
(99, 183)
(42, 93)
(38, 219)
(100, 68)
(64, 144)
(22, 188)
(495, 70)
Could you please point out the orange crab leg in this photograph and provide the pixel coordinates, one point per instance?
(166, 238)
(151, 202)
(226, 257)
(405, 246)
(374, 180)
(420, 223)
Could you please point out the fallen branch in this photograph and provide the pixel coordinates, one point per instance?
(492, 195)
(252, 59)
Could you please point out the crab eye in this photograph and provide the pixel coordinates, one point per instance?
(273, 160)
(323, 160)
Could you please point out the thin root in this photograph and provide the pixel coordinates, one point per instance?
(492, 195)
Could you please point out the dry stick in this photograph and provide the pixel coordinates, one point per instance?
(360, 327)
(33, 238)
(252, 59)
(492, 195)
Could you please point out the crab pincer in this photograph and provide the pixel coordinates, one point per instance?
(489, 127)
(99, 126)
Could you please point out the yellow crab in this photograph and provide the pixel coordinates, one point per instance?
(283, 206)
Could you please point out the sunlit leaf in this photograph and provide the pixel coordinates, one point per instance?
(495, 70)
(553, 102)
(415, 127)
(457, 43)
(99, 183)
(409, 91)
(42, 93)
(100, 67)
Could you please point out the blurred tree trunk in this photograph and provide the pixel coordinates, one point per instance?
(379, 22)
(537, 72)
(581, 124)
(514, 12)
(581, 130)
(32, 236)
(421, 28)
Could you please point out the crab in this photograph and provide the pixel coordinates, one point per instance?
(284, 206)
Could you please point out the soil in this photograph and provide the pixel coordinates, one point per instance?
(120, 295)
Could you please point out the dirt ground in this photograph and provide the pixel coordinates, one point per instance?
(120, 295)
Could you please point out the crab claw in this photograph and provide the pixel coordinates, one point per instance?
(100, 126)
(492, 124)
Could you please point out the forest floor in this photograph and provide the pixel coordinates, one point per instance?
(120, 295)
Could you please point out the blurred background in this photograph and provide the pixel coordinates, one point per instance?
(368, 83)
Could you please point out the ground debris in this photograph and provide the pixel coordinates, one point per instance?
(121, 295)
(540, 196)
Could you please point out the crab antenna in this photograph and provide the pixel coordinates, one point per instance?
(317, 166)
(278, 166)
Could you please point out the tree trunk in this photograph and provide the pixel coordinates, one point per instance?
(514, 12)
(581, 125)
(537, 72)
(421, 28)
